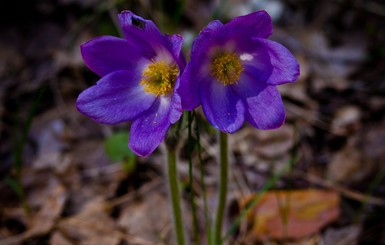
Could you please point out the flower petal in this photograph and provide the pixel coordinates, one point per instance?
(144, 35)
(249, 84)
(223, 109)
(176, 43)
(194, 73)
(117, 97)
(129, 20)
(265, 110)
(205, 36)
(149, 130)
(190, 86)
(211, 28)
(257, 24)
(176, 104)
(285, 66)
(107, 54)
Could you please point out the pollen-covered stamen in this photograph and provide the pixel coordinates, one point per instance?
(227, 68)
(159, 78)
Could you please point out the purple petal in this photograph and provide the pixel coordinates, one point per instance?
(117, 97)
(129, 20)
(195, 72)
(145, 43)
(149, 130)
(285, 66)
(190, 86)
(176, 105)
(265, 110)
(257, 24)
(211, 28)
(249, 85)
(107, 54)
(204, 37)
(143, 35)
(255, 59)
(176, 42)
(209, 37)
(223, 109)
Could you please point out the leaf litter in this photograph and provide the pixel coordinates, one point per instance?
(334, 127)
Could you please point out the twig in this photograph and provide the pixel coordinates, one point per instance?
(339, 188)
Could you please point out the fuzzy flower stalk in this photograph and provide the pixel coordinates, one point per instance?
(233, 74)
(140, 74)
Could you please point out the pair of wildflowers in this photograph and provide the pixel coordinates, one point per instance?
(232, 73)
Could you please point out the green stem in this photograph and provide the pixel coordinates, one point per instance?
(175, 196)
(203, 186)
(223, 176)
(190, 171)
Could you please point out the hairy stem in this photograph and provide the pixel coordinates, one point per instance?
(191, 180)
(208, 221)
(175, 196)
(223, 176)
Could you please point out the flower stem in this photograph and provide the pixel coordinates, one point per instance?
(191, 180)
(175, 196)
(223, 175)
(208, 221)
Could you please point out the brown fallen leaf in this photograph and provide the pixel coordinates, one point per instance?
(360, 158)
(44, 220)
(291, 214)
(266, 146)
(47, 198)
(147, 217)
(92, 225)
(58, 238)
(348, 164)
(347, 235)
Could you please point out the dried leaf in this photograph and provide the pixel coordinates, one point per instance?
(347, 120)
(347, 235)
(58, 239)
(92, 225)
(52, 200)
(147, 217)
(264, 149)
(292, 214)
(347, 165)
(360, 157)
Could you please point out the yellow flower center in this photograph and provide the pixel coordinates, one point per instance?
(159, 78)
(227, 68)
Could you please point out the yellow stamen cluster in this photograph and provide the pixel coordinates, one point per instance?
(227, 68)
(159, 78)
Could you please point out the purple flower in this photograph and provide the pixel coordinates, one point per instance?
(139, 79)
(233, 72)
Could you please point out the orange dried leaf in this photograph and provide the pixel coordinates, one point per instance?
(292, 214)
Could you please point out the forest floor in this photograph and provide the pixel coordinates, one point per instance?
(321, 175)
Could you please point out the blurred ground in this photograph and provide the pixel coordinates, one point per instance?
(335, 129)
